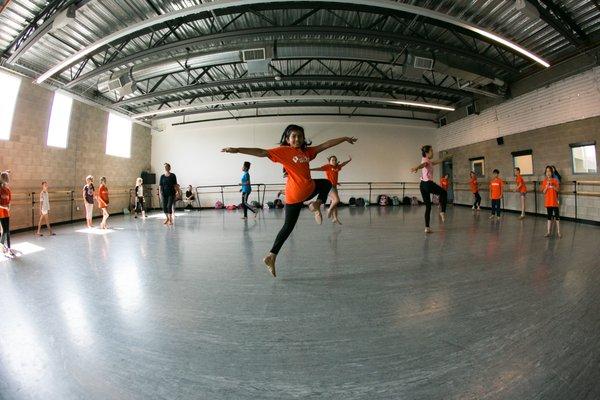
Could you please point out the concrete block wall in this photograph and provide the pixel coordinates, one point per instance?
(31, 160)
(550, 146)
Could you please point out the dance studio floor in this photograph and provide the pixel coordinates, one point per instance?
(370, 310)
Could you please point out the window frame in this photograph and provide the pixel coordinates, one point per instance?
(583, 144)
(108, 126)
(475, 159)
(68, 123)
(11, 117)
(521, 153)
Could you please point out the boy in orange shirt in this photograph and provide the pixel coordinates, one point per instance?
(332, 170)
(295, 154)
(521, 189)
(496, 191)
(550, 188)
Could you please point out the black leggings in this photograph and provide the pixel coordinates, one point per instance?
(292, 212)
(553, 211)
(245, 204)
(427, 189)
(167, 203)
(139, 204)
(496, 207)
(477, 202)
(5, 238)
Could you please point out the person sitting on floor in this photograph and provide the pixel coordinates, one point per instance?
(189, 198)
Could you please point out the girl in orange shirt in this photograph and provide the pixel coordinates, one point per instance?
(295, 153)
(550, 188)
(332, 170)
(103, 202)
(474, 186)
(521, 189)
(5, 197)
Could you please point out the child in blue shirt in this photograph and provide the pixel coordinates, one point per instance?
(246, 190)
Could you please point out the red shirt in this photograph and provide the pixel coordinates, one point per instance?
(103, 196)
(552, 188)
(296, 161)
(5, 197)
(444, 183)
(474, 185)
(332, 173)
(521, 184)
(496, 186)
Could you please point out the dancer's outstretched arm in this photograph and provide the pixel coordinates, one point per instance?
(334, 142)
(433, 162)
(317, 169)
(251, 151)
(346, 162)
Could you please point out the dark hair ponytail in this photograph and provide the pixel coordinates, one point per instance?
(425, 149)
(288, 131)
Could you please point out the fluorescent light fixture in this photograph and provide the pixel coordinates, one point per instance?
(381, 100)
(222, 4)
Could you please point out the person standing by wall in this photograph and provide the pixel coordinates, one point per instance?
(167, 190)
(140, 206)
(103, 202)
(5, 198)
(88, 194)
(521, 189)
(44, 210)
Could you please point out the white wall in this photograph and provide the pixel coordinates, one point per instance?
(386, 150)
(571, 99)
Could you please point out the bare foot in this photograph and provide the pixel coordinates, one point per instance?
(491, 216)
(559, 235)
(522, 217)
(270, 263)
(336, 221)
(443, 216)
(315, 207)
(547, 234)
(39, 234)
(166, 222)
(428, 230)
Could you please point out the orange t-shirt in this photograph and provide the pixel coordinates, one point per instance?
(521, 184)
(103, 196)
(444, 183)
(332, 173)
(496, 186)
(299, 184)
(551, 196)
(474, 185)
(5, 197)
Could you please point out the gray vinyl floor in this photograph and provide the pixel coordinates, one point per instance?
(373, 309)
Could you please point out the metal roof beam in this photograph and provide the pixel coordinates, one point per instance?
(447, 93)
(224, 4)
(169, 48)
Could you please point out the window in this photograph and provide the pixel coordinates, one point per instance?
(58, 130)
(118, 136)
(584, 158)
(10, 90)
(524, 161)
(478, 166)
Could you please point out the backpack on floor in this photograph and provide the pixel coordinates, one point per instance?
(278, 203)
(231, 207)
(352, 201)
(360, 202)
(383, 200)
(367, 203)
(256, 204)
(395, 201)
(414, 201)
(406, 200)
(270, 204)
(219, 205)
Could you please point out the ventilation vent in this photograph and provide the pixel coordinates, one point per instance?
(423, 63)
(253, 55)
(442, 122)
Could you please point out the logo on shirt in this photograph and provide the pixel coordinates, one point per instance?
(301, 159)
